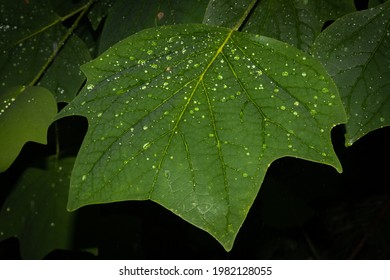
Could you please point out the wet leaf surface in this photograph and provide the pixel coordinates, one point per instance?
(191, 117)
(355, 50)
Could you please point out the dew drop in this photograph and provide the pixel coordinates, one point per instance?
(245, 175)
(146, 146)
(84, 178)
(285, 74)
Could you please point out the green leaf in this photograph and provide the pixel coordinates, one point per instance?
(21, 19)
(29, 40)
(356, 52)
(191, 117)
(125, 19)
(35, 211)
(225, 13)
(297, 22)
(25, 115)
(99, 11)
(64, 77)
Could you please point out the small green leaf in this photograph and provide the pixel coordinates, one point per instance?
(35, 211)
(25, 115)
(356, 52)
(191, 116)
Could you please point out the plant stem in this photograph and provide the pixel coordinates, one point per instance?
(69, 32)
(245, 15)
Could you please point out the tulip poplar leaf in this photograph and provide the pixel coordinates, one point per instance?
(191, 116)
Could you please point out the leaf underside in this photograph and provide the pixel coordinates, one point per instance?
(191, 117)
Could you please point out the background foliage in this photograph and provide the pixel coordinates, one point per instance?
(303, 210)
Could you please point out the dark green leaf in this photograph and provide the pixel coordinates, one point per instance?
(35, 212)
(125, 19)
(25, 115)
(296, 22)
(225, 13)
(28, 44)
(191, 116)
(356, 52)
(64, 77)
(99, 11)
(21, 19)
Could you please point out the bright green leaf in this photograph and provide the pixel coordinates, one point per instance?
(25, 115)
(356, 52)
(125, 19)
(191, 116)
(35, 211)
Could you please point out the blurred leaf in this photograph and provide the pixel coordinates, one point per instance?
(125, 19)
(355, 50)
(28, 43)
(20, 20)
(64, 77)
(35, 212)
(99, 11)
(25, 115)
(191, 116)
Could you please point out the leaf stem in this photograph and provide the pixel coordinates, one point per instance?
(245, 15)
(69, 32)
